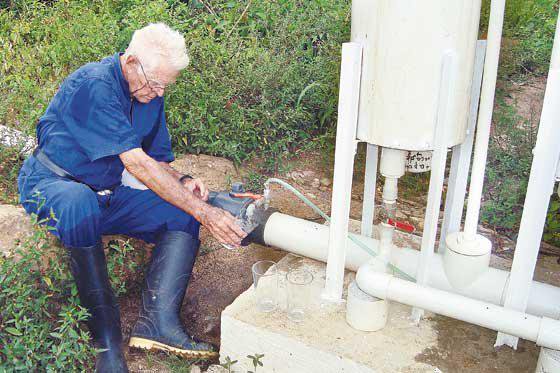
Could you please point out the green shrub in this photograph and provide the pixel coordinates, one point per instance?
(552, 227)
(507, 173)
(262, 81)
(10, 163)
(528, 35)
(40, 313)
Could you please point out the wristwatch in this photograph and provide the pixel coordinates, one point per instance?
(182, 178)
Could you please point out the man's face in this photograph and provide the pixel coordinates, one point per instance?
(146, 85)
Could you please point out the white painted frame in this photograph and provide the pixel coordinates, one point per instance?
(345, 151)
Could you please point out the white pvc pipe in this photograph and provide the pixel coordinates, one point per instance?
(461, 159)
(311, 239)
(437, 175)
(539, 190)
(349, 95)
(370, 181)
(542, 330)
(485, 115)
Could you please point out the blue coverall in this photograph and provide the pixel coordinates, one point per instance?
(90, 121)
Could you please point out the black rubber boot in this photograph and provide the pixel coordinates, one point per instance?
(159, 326)
(89, 269)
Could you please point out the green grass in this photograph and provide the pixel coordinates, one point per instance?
(10, 163)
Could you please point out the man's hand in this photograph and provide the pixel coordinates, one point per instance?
(222, 225)
(196, 187)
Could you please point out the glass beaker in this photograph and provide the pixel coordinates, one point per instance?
(265, 281)
(299, 291)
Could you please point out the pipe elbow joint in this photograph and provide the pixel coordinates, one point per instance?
(373, 282)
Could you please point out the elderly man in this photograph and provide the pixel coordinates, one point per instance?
(106, 117)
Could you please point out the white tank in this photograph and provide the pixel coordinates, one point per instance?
(404, 42)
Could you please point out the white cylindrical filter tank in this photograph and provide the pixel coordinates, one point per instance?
(404, 43)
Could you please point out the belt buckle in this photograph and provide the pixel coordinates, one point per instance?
(105, 192)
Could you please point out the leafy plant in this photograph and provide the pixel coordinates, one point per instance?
(254, 182)
(552, 227)
(123, 266)
(256, 360)
(10, 163)
(263, 77)
(528, 35)
(228, 363)
(39, 310)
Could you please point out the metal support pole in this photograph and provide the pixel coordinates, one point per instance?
(539, 190)
(370, 179)
(461, 159)
(343, 168)
(439, 159)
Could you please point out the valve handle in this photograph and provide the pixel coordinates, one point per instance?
(403, 226)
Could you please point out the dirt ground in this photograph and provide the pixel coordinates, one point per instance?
(220, 275)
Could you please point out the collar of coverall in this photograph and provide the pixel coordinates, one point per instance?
(118, 69)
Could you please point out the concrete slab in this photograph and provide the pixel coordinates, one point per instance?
(323, 342)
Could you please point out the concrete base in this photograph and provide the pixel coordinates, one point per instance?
(324, 342)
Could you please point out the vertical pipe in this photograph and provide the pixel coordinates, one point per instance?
(485, 115)
(343, 168)
(461, 159)
(539, 190)
(437, 174)
(370, 179)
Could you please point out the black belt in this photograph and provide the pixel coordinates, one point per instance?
(56, 169)
(59, 171)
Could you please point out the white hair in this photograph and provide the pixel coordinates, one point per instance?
(156, 45)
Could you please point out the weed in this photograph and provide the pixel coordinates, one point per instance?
(264, 83)
(228, 363)
(39, 310)
(123, 266)
(528, 35)
(10, 163)
(254, 182)
(256, 360)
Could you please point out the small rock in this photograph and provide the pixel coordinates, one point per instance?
(216, 369)
(316, 183)
(195, 369)
(326, 181)
(15, 225)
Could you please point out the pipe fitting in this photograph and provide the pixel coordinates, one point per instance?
(393, 162)
(364, 312)
(390, 190)
(373, 282)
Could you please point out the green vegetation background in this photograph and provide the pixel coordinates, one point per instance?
(263, 79)
(263, 82)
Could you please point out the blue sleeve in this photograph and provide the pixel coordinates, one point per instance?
(96, 119)
(158, 144)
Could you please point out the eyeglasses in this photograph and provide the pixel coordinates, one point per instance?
(155, 85)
